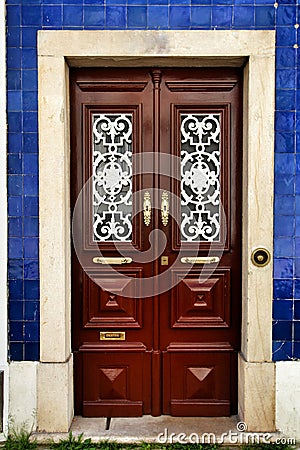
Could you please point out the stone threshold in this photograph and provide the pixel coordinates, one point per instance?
(130, 430)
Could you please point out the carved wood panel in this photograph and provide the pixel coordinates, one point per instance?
(112, 386)
(198, 302)
(198, 377)
(112, 310)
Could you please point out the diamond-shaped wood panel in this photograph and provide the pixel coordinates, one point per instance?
(200, 301)
(199, 382)
(108, 309)
(112, 382)
(197, 379)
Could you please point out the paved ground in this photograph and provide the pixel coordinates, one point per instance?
(160, 429)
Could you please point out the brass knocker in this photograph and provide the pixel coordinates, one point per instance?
(147, 208)
(165, 208)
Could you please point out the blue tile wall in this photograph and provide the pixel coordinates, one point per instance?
(25, 17)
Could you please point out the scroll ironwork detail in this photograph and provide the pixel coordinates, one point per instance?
(200, 177)
(112, 177)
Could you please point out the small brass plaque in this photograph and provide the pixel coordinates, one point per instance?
(164, 261)
(112, 335)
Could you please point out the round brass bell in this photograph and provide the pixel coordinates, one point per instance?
(260, 257)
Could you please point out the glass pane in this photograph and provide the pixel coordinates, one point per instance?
(112, 177)
(200, 177)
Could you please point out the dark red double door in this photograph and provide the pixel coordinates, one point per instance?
(156, 166)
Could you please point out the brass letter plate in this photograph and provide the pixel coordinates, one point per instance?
(112, 335)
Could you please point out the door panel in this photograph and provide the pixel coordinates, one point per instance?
(203, 307)
(156, 149)
(111, 386)
(111, 310)
(198, 378)
(107, 113)
(201, 304)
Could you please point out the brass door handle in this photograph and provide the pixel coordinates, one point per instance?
(147, 208)
(200, 259)
(165, 208)
(112, 260)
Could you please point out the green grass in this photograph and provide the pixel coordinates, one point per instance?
(19, 439)
(74, 443)
(78, 443)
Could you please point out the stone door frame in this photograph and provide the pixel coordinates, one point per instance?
(57, 50)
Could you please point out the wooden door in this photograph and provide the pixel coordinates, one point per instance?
(156, 200)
